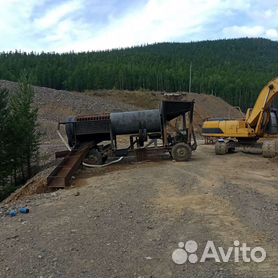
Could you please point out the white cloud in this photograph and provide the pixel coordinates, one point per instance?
(65, 26)
(249, 31)
(160, 20)
(157, 21)
(244, 31)
(271, 34)
(54, 16)
(268, 14)
(15, 26)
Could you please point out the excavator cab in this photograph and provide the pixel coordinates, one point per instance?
(272, 126)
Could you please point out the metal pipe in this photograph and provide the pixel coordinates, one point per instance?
(132, 122)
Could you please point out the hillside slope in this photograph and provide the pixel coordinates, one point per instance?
(234, 69)
(57, 105)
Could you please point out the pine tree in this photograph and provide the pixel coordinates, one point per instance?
(233, 69)
(4, 112)
(24, 142)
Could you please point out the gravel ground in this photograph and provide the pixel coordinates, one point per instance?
(127, 219)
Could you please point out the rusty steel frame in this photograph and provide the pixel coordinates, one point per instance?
(60, 177)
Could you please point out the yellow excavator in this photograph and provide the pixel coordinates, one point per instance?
(245, 133)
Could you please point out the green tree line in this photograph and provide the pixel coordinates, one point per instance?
(19, 138)
(234, 69)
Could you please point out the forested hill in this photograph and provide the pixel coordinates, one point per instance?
(235, 69)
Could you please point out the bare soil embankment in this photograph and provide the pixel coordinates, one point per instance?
(56, 105)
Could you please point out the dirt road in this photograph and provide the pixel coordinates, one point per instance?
(126, 220)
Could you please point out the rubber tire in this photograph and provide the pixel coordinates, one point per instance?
(220, 148)
(104, 159)
(269, 149)
(95, 157)
(181, 152)
(231, 146)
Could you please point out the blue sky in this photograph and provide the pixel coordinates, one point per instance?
(82, 25)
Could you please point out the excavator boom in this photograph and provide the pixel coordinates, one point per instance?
(263, 103)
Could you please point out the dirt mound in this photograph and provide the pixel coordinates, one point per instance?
(57, 105)
(36, 185)
(206, 106)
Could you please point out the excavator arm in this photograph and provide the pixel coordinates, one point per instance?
(258, 117)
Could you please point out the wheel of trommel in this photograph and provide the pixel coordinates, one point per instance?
(181, 152)
(95, 157)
